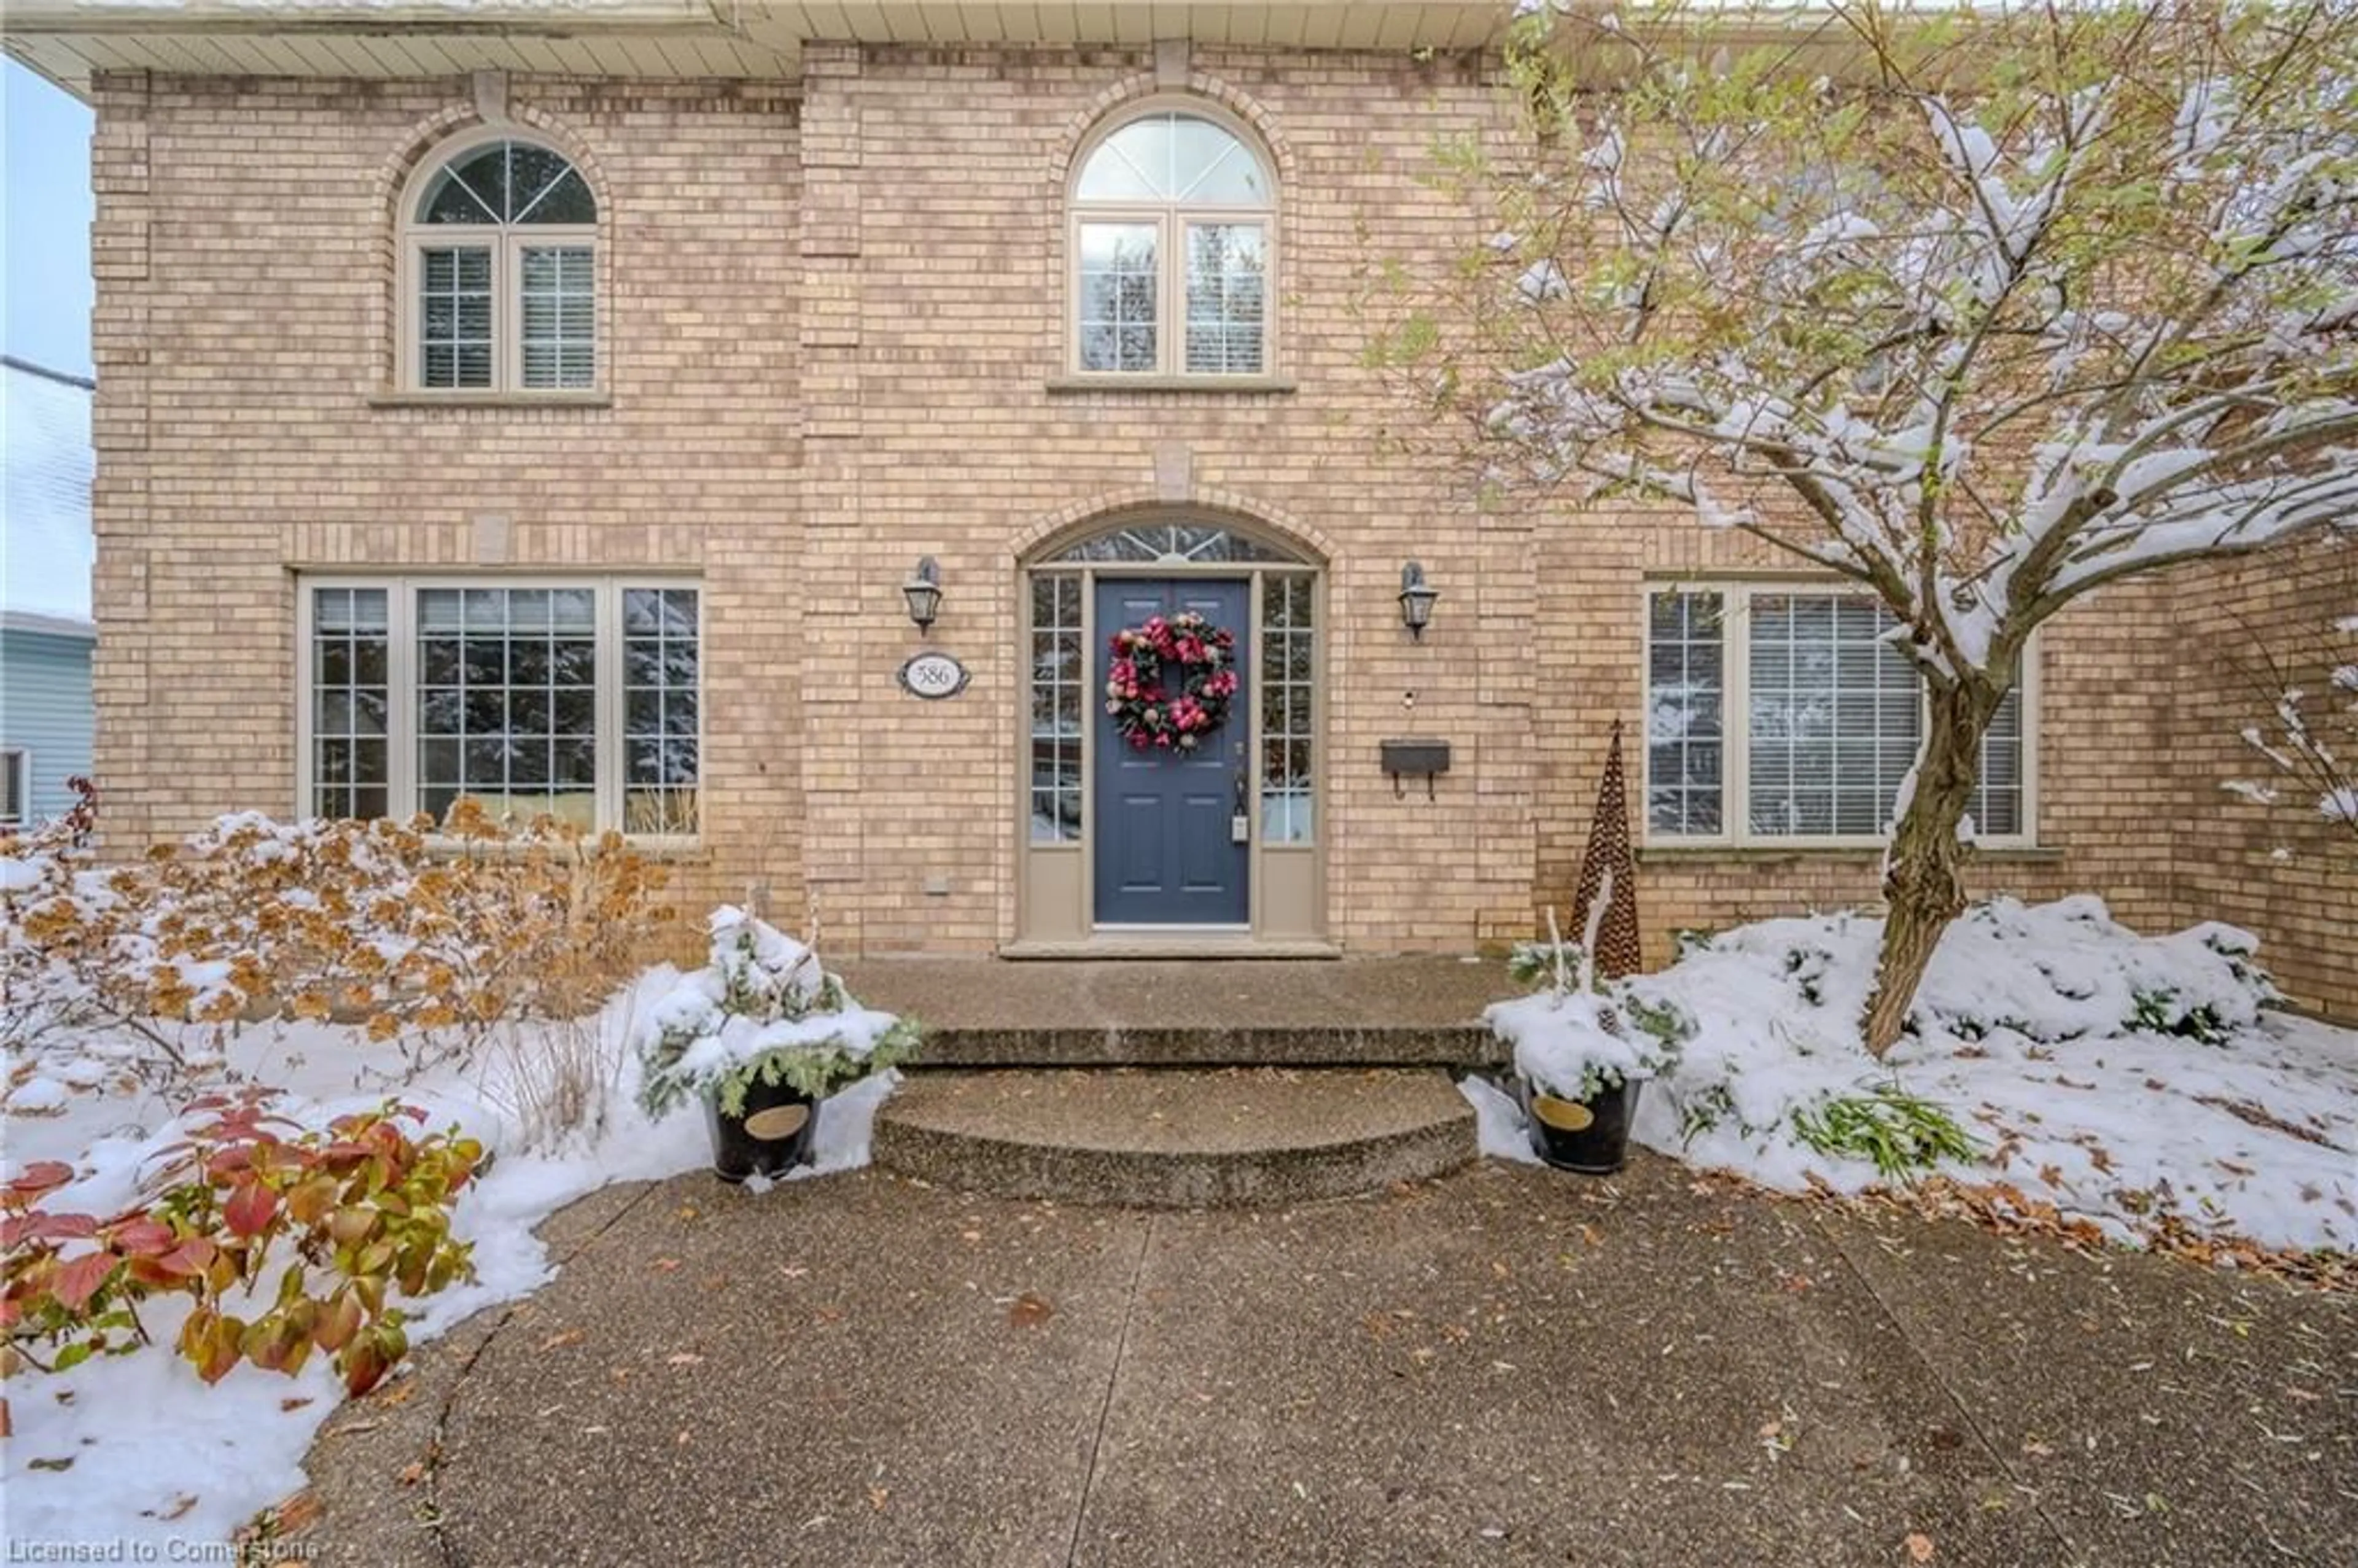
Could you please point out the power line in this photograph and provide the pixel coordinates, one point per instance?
(62, 377)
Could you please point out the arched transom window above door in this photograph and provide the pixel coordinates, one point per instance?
(499, 272)
(1173, 239)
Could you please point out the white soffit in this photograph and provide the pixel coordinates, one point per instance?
(68, 40)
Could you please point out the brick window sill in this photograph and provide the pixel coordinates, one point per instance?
(1193, 386)
(394, 397)
(1673, 854)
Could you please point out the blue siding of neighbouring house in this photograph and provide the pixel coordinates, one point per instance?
(45, 709)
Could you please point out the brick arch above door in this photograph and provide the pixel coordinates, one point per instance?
(1105, 513)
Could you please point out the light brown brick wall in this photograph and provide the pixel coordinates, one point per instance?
(836, 311)
(2284, 871)
(244, 247)
(957, 447)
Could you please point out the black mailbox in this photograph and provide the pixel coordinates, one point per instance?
(1415, 758)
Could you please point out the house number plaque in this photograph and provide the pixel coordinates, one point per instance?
(933, 677)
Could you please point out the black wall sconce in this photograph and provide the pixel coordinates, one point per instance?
(924, 592)
(1416, 597)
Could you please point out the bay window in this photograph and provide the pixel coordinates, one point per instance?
(577, 699)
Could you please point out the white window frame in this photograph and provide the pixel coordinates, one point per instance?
(1736, 723)
(1171, 222)
(507, 242)
(401, 682)
(18, 761)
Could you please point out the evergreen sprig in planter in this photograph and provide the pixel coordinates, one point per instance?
(762, 1035)
(1581, 1058)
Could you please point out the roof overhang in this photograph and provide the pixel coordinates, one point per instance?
(68, 40)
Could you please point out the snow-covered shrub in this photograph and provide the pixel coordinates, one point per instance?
(1552, 964)
(1576, 1045)
(1771, 1076)
(763, 1009)
(427, 940)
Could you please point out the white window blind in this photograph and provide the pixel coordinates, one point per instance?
(1780, 715)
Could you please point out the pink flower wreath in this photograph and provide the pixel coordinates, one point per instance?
(1170, 681)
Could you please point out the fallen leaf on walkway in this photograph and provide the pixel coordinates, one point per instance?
(400, 1393)
(681, 1440)
(1919, 1548)
(665, 1265)
(876, 1495)
(295, 1404)
(1593, 1236)
(569, 1336)
(683, 1358)
(411, 1473)
(1029, 1310)
(969, 1236)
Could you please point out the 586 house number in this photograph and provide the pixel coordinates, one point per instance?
(933, 677)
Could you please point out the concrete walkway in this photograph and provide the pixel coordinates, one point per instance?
(1508, 1366)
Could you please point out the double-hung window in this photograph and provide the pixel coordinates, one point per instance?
(575, 699)
(1171, 220)
(501, 268)
(1786, 715)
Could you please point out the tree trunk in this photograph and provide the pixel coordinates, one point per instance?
(1923, 876)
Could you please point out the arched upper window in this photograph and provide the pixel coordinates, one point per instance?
(500, 252)
(1171, 229)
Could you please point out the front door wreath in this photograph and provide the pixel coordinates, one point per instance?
(1171, 681)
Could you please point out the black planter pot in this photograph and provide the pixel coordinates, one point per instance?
(1589, 1136)
(775, 1133)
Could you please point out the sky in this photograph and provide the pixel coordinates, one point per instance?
(45, 229)
(45, 208)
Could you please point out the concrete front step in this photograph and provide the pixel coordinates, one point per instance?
(1209, 1045)
(1413, 1011)
(1176, 1139)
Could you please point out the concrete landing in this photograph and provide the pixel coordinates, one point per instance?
(1176, 1139)
(1417, 1010)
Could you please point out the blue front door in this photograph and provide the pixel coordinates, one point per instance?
(1167, 851)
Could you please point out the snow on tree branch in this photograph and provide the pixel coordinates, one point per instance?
(1981, 312)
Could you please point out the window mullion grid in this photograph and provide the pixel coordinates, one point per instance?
(1735, 725)
(1258, 704)
(401, 706)
(507, 313)
(607, 661)
(307, 698)
(1171, 308)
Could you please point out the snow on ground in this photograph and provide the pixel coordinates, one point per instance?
(2134, 1083)
(152, 1455)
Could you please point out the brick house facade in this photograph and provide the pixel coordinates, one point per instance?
(835, 293)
